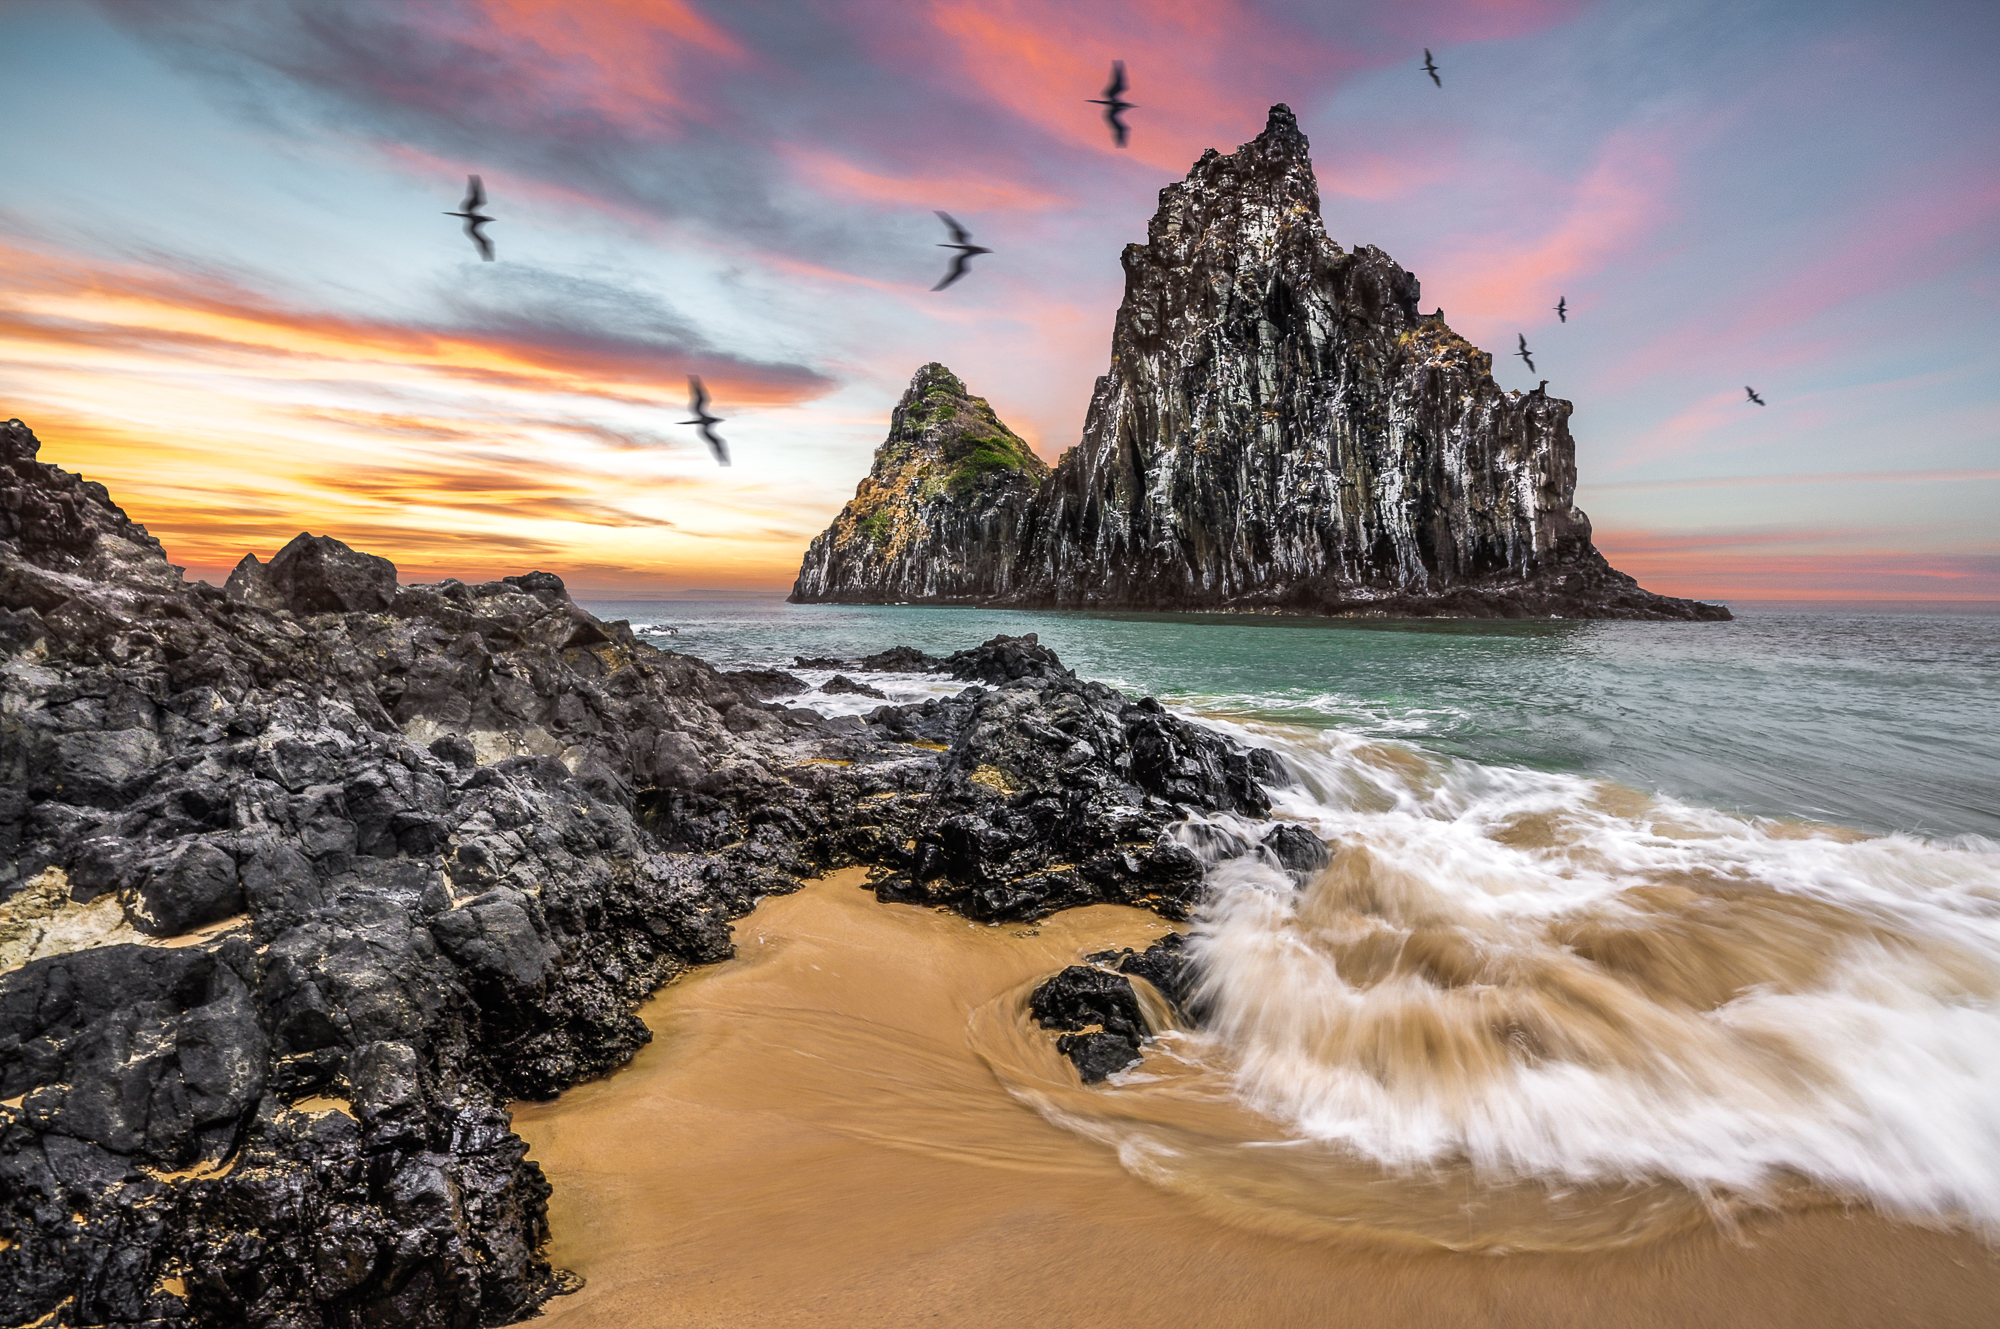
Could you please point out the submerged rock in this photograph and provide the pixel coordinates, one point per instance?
(1281, 429)
(1095, 1002)
(765, 684)
(841, 684)
(420, 850)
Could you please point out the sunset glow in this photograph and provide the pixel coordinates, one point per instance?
(228, 292)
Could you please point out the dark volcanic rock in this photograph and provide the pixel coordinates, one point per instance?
(1164, 964)
(1102, 1011)
(1296, 849)
(842, 684)
(1057, 792)
(1096, 1003)
(1282, 430)
(317, 574)
(765, 684)
(895, 660)
(447, 838)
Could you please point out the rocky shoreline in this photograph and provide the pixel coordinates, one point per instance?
(306, 877)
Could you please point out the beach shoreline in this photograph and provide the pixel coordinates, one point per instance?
(812, 1138)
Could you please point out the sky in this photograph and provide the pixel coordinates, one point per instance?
(228, 290)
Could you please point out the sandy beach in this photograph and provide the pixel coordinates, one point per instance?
(814, 1137)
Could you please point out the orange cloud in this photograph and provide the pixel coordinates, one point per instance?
(55, 300)
(228, 422)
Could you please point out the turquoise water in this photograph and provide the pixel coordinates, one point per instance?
(1885, 721)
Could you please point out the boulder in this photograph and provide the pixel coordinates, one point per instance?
(317, 574)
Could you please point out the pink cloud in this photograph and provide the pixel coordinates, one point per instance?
(1196, 65)
(625, 58)
(833, 174)
(1624, 198)
(1716, 563)
(1908, 238)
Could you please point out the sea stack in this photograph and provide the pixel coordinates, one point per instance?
(1280, 430)
(940, 515)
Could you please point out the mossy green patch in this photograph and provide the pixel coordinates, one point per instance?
(874, 525)
(975, 456)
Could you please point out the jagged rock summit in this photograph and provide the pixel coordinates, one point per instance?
(1281, 429)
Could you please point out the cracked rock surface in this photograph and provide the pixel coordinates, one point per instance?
(303, 879)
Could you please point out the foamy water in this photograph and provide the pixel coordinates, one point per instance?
(1553, 979)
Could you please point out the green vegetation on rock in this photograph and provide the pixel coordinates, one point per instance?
(973, 457)
(874, 525)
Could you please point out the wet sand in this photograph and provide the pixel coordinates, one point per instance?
(813, 1138)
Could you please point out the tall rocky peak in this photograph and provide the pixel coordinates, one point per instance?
(940, 511)
(1281, 428)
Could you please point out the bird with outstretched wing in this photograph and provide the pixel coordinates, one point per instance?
(698, 408)
(475, 199)
(961, 240)
(1753, 395)
(1114, 103)
(1430, 67)
(1524, 353)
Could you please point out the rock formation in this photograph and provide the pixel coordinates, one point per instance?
(301, 880)
(1281, 429)
(938, 520)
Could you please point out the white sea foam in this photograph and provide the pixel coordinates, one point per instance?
(1548, 977)
(901, 689)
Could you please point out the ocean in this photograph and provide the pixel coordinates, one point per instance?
(1629, 925)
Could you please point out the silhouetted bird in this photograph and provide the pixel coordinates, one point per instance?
(1430, 67)
(962, 242)
(1114, 102)
(1753, 396)
(1523, 352)
(475, 199)
(698, 407)
(1562, 308)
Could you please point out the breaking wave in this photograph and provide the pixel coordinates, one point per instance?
(1531, 1010)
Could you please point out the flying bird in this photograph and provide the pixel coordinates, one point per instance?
(962, 242)
(1523, 352)
(475, 199)
(1562, 308)
(1114, 102)
(1430, 67)
(1753, 395)
(698, 407)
